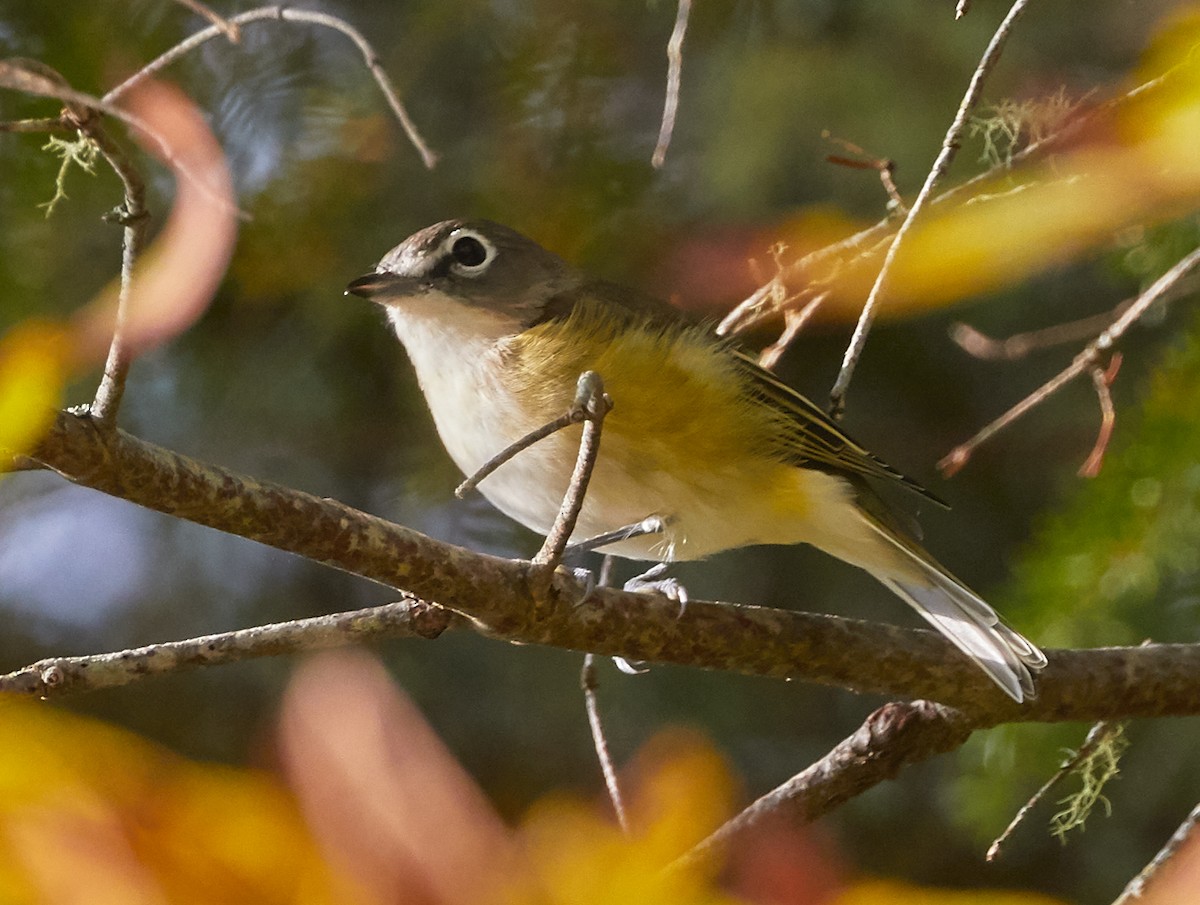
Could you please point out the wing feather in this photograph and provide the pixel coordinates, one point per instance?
(814, 439)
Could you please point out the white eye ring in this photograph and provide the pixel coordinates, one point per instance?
(469, 252)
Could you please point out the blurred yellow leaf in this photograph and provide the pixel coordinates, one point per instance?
(378, 812)
(34, 365)
(1130, 163)
(577, 857)
(887, 892)
(89, 813)
(1135, 163)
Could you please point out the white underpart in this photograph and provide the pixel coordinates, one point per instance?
(455, 350)
(456, 357)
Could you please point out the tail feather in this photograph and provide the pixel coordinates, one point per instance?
(962, 616)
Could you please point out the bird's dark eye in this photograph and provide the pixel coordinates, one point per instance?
(469, 251)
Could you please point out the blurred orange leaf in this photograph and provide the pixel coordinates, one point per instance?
(176, 278)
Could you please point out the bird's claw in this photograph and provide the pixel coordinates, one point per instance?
(652, 580)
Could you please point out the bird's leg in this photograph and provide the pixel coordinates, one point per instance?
(591, 404)
(652, 525)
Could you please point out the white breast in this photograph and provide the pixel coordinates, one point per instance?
(456, 357)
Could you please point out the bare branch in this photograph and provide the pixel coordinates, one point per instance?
(893, 737)
(409, 618)
(1137, 886)
(793, 323)
(674, 74)
(287, 14)
(885, 167)
(822, 266)
(1082, 363)
(1015, 347)
(134, 219)
(587, 681)
(941, 165)
(1102, 380)
(507, 599)
(1100, 734)
(228, 29)
(591, 399)
(53, 124)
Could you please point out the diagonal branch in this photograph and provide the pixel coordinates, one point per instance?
(892, 738)
(950, 146)
(1137, 886)
(228, 29)
(1084, 362)
(591, 399)
(821, 267)
(674, 76)
(504, 601)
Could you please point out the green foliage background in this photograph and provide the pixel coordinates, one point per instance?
(546, 114)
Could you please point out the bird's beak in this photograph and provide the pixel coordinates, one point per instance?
(380, 286)
(367, 286)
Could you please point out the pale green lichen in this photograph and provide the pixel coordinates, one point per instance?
(81, 152)
(1012, 125)
(1095, 770)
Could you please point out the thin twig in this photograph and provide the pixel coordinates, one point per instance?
(868, 242)
(591, 399)
(953, 461)
(1102, 380)
(577, 412)
(885, 167)
(133, 217)
(571, 416)
(39, 125)
(1098, 735)
(229, 29)
(893, 737)
(793, 323)
(1019, 345)
(287, 14)
(20, 77)
(763, 302)
(674, 75)
(407, 618)
(650, 525)
(135, 220)
(1137, 886)
(588, 682)
(950, 146)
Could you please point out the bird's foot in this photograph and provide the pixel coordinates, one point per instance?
(652, 580)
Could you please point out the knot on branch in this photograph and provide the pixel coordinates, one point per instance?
(428, 620)
(904, 732)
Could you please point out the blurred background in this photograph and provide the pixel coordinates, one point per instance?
(545, 115)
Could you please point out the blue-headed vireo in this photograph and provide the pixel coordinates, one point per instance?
(499, 330)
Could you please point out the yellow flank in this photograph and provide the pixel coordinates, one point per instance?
(660, 377)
